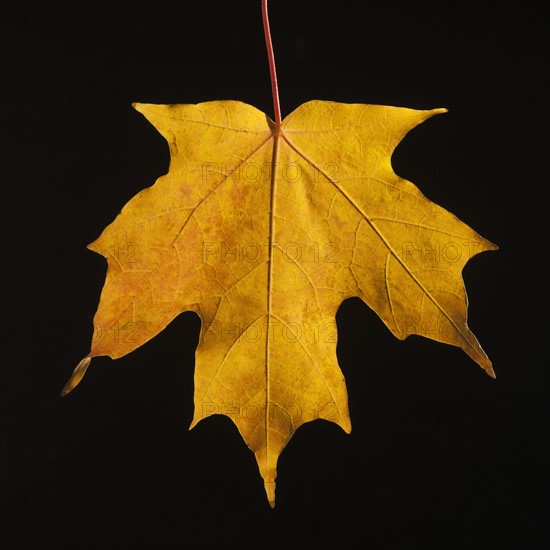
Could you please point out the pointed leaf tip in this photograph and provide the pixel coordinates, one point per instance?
(138, 107)
(270, 492)
(438, 111)
(76, 376)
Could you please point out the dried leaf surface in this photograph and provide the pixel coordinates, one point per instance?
(263, 232)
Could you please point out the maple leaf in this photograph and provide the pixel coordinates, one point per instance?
(263, 228)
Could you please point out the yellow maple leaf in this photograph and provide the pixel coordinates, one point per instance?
(263, 228)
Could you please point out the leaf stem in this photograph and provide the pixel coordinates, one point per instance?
(272, 71)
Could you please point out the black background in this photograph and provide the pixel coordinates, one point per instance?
(440, 456)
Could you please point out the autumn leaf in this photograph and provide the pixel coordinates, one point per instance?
(263, 228)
